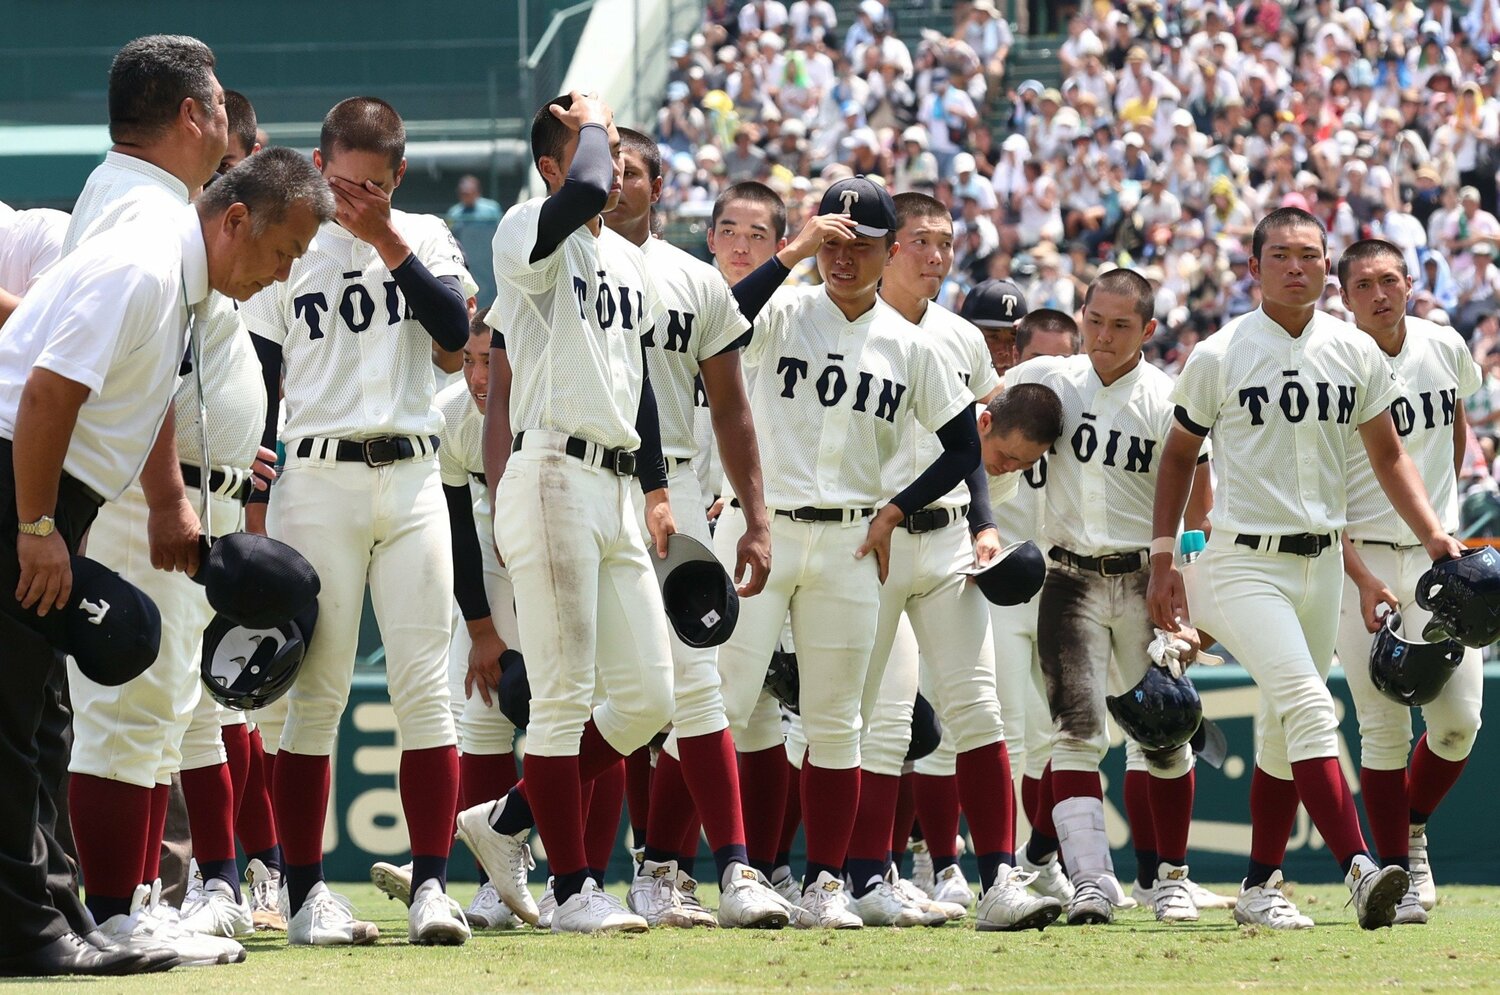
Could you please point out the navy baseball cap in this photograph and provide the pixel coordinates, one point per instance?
(994, 302)
(697, 592)
(864, 200)
(1012, 578)
(110, 627)
(514, 693)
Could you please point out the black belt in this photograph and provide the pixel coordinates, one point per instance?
(371, 452)
(673, 462)
(1297, 544)
(192, 476)
(932, 519)
(817, 514)
(621, 461)
(1113, 565)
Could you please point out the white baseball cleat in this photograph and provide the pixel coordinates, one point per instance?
(826, 903)
(921, 866)
(265, 896)
(687, 894)
(951, 887)
(595, 911)
(912, 895)
(140, 927)
(392, 880)
(1375, 891)
(746, 900)
(1421, 868)
(882, 905)
(506, 859)
(487, 911)
(1090, 905)
(1409, 911)
(1265, 905)
(786, 884)
(194, 893)
(1171, 899)
(546, 906)
(1048, 879)
(654, 897)
(1007, 906)
(434, 918)
(327, 919)
(217, 913)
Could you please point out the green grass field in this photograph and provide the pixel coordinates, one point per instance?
(1458, 951)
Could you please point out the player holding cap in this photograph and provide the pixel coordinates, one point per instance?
(1288, 392)
(947, 613)
(1383, 562)
(1093, 603)
(837, 372)
(361, 498)
(571, 420)
(697, 766)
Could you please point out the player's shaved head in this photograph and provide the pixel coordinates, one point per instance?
(1031, 409)
(753, 192)
(269, 184)
(242, 124)
(912, 206)
(1045, 321)
(364, 124)
(476, 323)
(1370, 248)
(1126, 283)
(150, 78)
(1281, 219)
(643, 146)
(549, 136)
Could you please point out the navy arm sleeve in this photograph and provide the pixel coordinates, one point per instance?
(437, 302)
(650, 464)
(468, 568)
(960, 439)
(981, 515)
(752, 293)
(582, 195)
(269, 354)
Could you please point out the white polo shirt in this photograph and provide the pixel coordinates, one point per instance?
(1285, 415)
(30, 241)
(113, 317)
(572, 323)
(121, 188)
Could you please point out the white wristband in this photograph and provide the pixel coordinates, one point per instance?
(1163, 544)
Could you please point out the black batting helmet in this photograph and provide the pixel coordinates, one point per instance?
(1411, 673)
(1161, 712)
(246, 668)
(1463, 595)
(782, 679)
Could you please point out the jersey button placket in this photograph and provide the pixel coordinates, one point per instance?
(1304, 441)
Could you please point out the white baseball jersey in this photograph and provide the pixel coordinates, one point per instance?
(1434, 372)
(964, 354)
(572, 324)
(832, 396)
(702, 321)
(1019, 503)
(1103, 473)
(357, 364)
(461, 455)
(120, 189)
(30, 241)
(1285, 414)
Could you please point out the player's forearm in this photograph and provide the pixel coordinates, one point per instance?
(468, 567)
(1179, 460)
(734, 432)
(1200, 498)
(161, 477)
(754, 291)
(582, 196)
(8, 304)
(981, 516)
(1354, 565)
(1460, 440)
(437, 303)
(960, 439)
(44, 429)
(497, 435)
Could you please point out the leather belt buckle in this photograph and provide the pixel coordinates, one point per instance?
(373, 455)
(805, 516)
(625, 463)
(1119, 564)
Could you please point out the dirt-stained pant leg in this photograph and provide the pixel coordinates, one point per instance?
(1073, 642)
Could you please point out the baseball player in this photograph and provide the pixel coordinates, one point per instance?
(837, 371)
(129, 740)
(1383, 562)
(947, 615)
(1285, 389)
(361, 498)
(697, 766)
(1092, 605)
(30, 241)
(572, 399)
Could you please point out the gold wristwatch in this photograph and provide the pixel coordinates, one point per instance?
(43, 526)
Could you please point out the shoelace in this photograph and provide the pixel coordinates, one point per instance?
(329, 905)
(265, 893)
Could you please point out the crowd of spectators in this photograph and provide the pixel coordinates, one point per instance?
(1175, 126)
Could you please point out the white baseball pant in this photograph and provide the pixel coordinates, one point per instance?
(698, 706)
(1278, 614)
(270, 721)
(483, 730)
(386, 526)
(1385, 732)
(835, 602)
(1021, 687)
(586, 599)
(134, 732)
(1092, 634)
